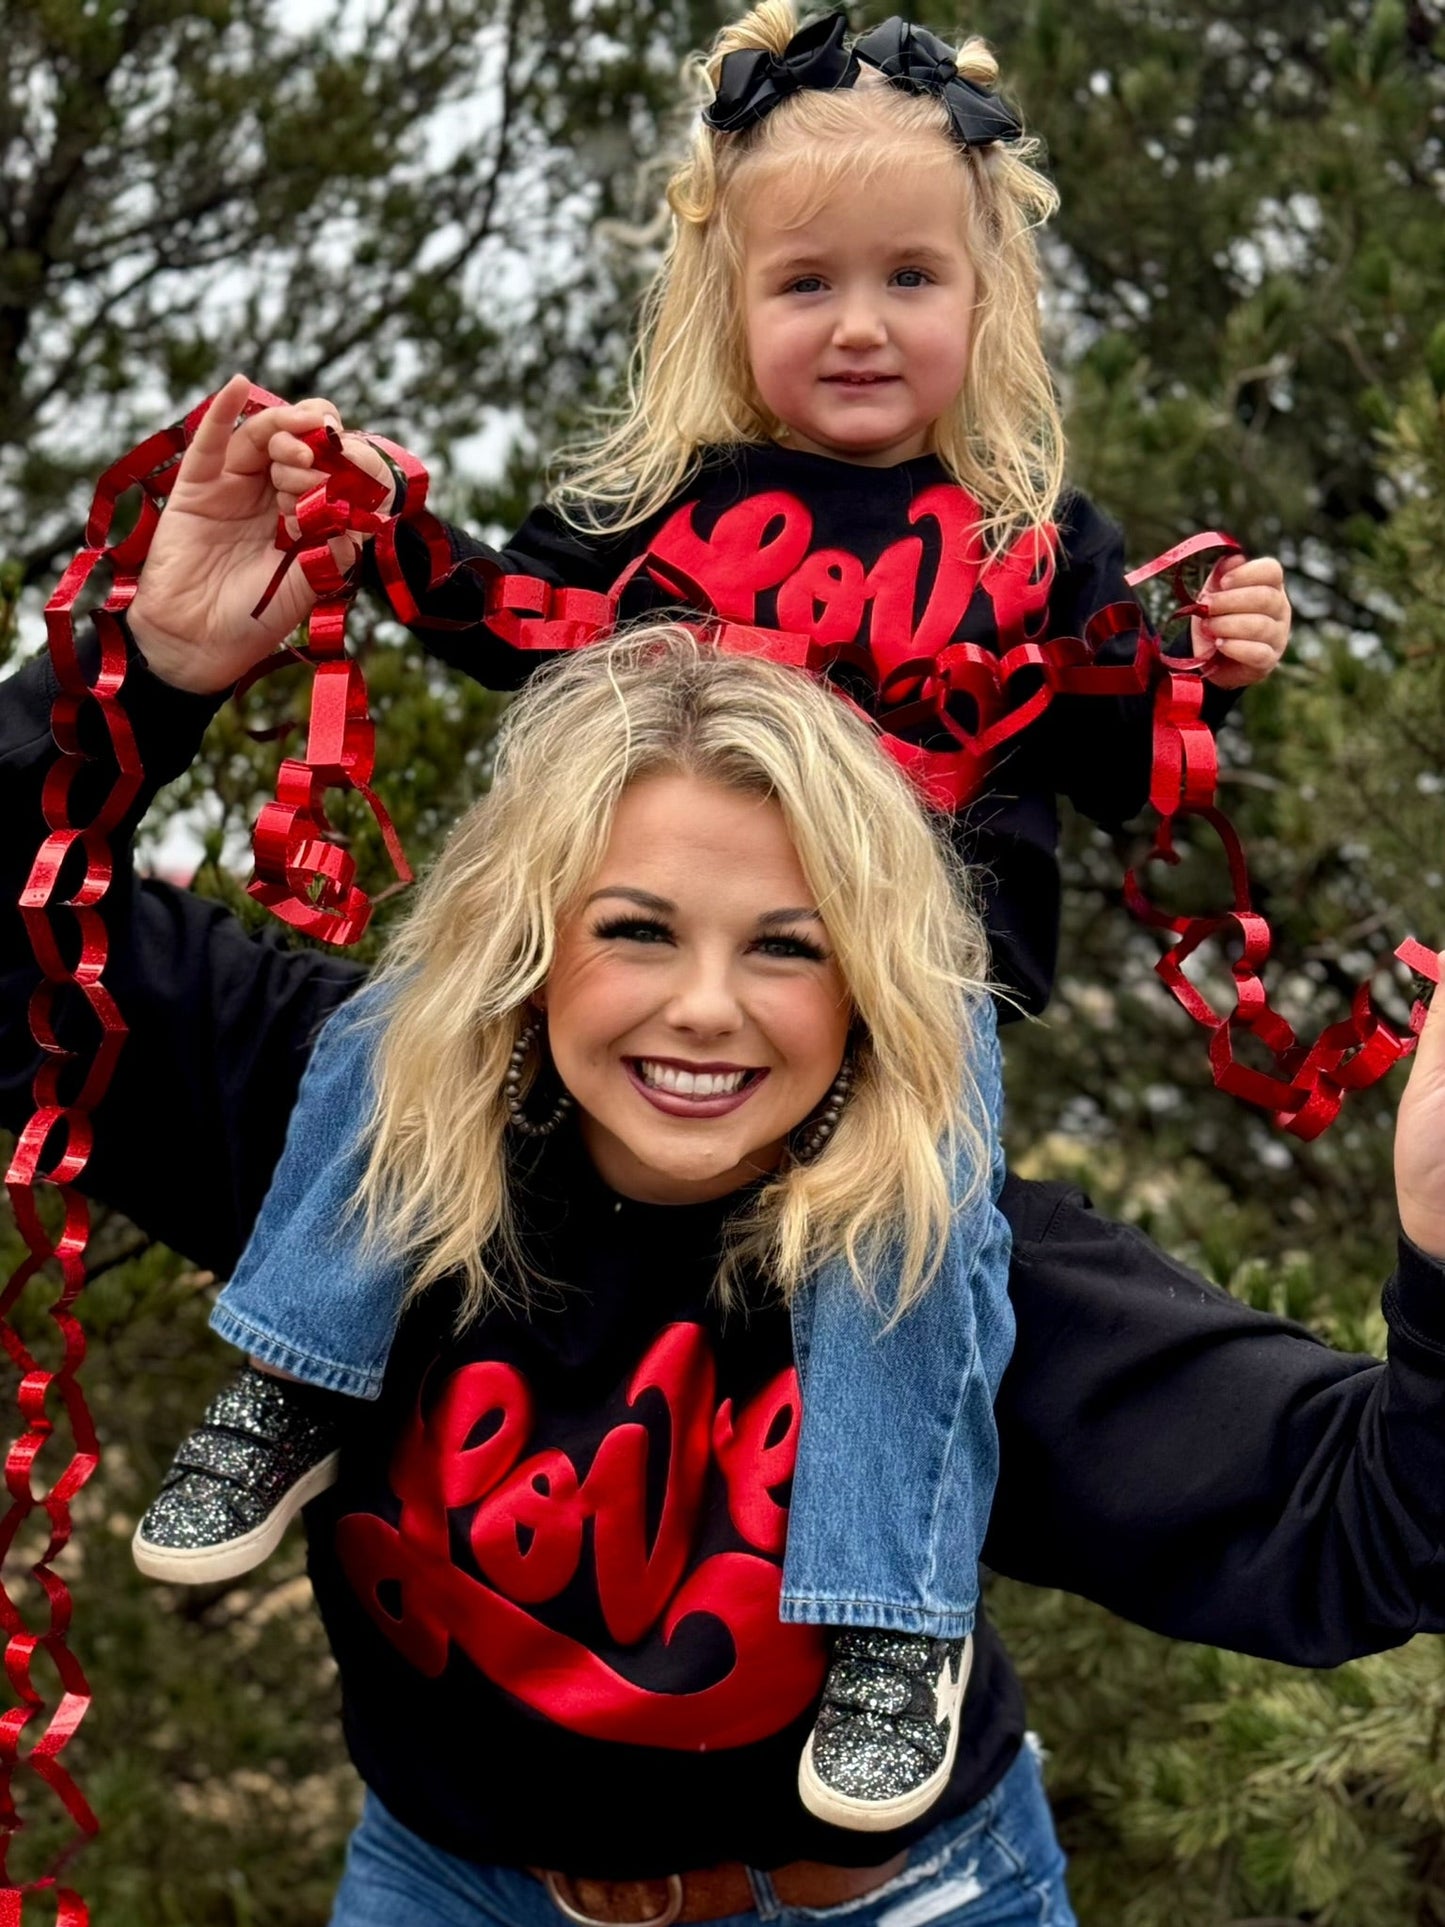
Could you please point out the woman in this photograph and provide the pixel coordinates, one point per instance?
(1306, 1525)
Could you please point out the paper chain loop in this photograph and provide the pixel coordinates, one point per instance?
(306, 879)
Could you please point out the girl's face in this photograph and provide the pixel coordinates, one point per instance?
(859, 319)
(694, 1009)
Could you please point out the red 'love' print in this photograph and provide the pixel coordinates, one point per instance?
(765, 543)
(526, 1535)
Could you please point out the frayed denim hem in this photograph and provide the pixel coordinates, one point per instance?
(324, 1373)
(876, 1615)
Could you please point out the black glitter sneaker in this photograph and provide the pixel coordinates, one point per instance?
(883, 1743)
(264, 1449)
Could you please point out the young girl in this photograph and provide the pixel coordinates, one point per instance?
(841, 428)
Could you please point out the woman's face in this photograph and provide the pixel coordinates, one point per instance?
(695, 1009)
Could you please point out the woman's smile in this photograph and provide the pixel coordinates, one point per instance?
(699, 1090)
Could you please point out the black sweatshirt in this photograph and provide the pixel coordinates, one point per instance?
(562, 1535)
(1207, 1470)
(880, 566)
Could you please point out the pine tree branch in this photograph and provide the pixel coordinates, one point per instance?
(133, 1249)
(1271, 1920)
(310, 377)
(163, 227)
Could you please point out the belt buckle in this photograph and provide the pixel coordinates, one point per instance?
(553, 1883)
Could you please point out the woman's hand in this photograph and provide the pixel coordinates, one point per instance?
(1420, 1137)
(1246, 623)
(214, 551)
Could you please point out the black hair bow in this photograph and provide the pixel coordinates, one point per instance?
(914, 58)
(753, 81)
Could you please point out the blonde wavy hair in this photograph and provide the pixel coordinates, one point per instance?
(690, 385)
(451, 995)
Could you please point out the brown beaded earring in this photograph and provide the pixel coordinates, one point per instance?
(517, 1116)
(813, 1133)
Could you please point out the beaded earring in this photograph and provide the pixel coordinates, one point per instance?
(512, 1089)
(817, 1130)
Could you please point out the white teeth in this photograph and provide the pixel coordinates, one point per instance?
(667, 1077)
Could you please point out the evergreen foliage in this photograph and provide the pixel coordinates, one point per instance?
(1249, 282)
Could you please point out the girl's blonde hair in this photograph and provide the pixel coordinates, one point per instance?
(452, 992)
(690, 386)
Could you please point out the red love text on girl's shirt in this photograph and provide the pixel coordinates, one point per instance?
(765, 542)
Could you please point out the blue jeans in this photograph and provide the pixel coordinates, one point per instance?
(998, 1865)
(898, 1454)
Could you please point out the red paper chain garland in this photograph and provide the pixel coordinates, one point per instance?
(1306, 1083)
(36, 1164)
(305, 878)
(301, 875)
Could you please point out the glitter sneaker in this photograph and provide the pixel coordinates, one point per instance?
(265, 1447)
(883, 1743)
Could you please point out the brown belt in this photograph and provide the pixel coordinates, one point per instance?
(708, 1893)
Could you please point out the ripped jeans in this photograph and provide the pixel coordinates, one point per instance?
(997, 1865)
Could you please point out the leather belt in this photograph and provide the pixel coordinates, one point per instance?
(707, 1893)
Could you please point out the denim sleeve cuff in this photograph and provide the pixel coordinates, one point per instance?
(1414, 1301)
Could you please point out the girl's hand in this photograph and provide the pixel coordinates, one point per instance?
(293, 470)
(1247, 622)
(214, 551)
(1420, 1137)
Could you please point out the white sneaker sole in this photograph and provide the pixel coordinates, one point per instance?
(880, 1816)
(207, 1565)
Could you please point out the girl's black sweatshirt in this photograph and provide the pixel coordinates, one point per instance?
(881, 567)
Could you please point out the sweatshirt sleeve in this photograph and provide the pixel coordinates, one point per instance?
(220, 1023)
(453, 623)
(1210, 1471)
(1100, 748)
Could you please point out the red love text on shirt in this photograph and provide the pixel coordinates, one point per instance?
(766, 543)
(527, 1537)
